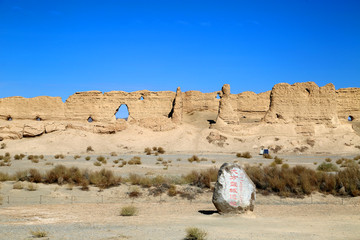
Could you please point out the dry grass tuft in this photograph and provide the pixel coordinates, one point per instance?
(128, 211)
(194, 233)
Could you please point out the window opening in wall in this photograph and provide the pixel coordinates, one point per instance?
(218, 96)
(9, 118)
(141, 98)
(122, 112)
(90, 119)
(350, 118)
(38, 119)
(308, 90)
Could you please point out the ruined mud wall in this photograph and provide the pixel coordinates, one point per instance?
(303, 103)
(251, 106)
(197, 101)
(45, 108)
(103, 107)
(348, 104)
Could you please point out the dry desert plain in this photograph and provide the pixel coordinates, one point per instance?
(67, 212)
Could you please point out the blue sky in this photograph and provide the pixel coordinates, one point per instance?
(56, 48)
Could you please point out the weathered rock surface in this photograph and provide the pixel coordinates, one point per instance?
(234, 191)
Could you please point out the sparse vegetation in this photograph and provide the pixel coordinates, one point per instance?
(172, 190)
(194, 233)
(128, 211)
(18, 185)
(87, 158)
(245, 155)
(134, 161)
(38, 233)
(194, 158)
(267, 156)
(32, 187)
(97, 164)
(157, 150)
(278, 160)
(89, 149)
(76, 157)
(328, 160)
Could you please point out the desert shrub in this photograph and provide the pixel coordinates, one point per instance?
(172, 190)
(349, 178)
(116, 161)
(18, 185)
(32, 187)
(1, 157)
(35, 160)
(328, 160)
(154, 149)
(61, 156)
(357, 157)
(278, 160)
(103, 179)
(160, 150)
(202, 178)
(128, 211)
(339, 161)
(267, 156)
(38, 233)
(30, 157)
(134, 192)
(41, 156)
(7, 154)
(6, 177)
(194, 158)
(89, 149)
(147, 151)
(113, 154)
(17, 157)
(76, 157)
(213, 161)
(87, 158)
(97, 164)
(135, 161)
(285, 166)
(3, 146)
(194, 233)
(244, 155)
(34, 176)
(159, 159)
(178, 159)
(84, 185)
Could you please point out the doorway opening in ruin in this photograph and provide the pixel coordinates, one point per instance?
(122, 112)
(9, 118)
(90, 119)
(218, 96)
(141, 98)
(350, 118)
(308, 90)
(38, 119)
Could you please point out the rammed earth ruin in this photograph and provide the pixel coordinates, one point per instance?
(307, 108)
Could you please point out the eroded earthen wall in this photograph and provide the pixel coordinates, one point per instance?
(302, 103)
(348, 103)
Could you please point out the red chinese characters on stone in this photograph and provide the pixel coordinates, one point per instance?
(236, 187)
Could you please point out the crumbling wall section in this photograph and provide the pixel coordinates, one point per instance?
(303, 103)
(348, 104)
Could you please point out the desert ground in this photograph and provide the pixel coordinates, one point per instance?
(65, 212)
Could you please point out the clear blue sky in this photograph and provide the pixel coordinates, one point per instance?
(58, 47)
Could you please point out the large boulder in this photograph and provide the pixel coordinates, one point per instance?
(234, 191)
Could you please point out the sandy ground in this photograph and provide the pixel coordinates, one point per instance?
(273, 218)
(94, 214)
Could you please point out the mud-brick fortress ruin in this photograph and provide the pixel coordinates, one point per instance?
(305, 108)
